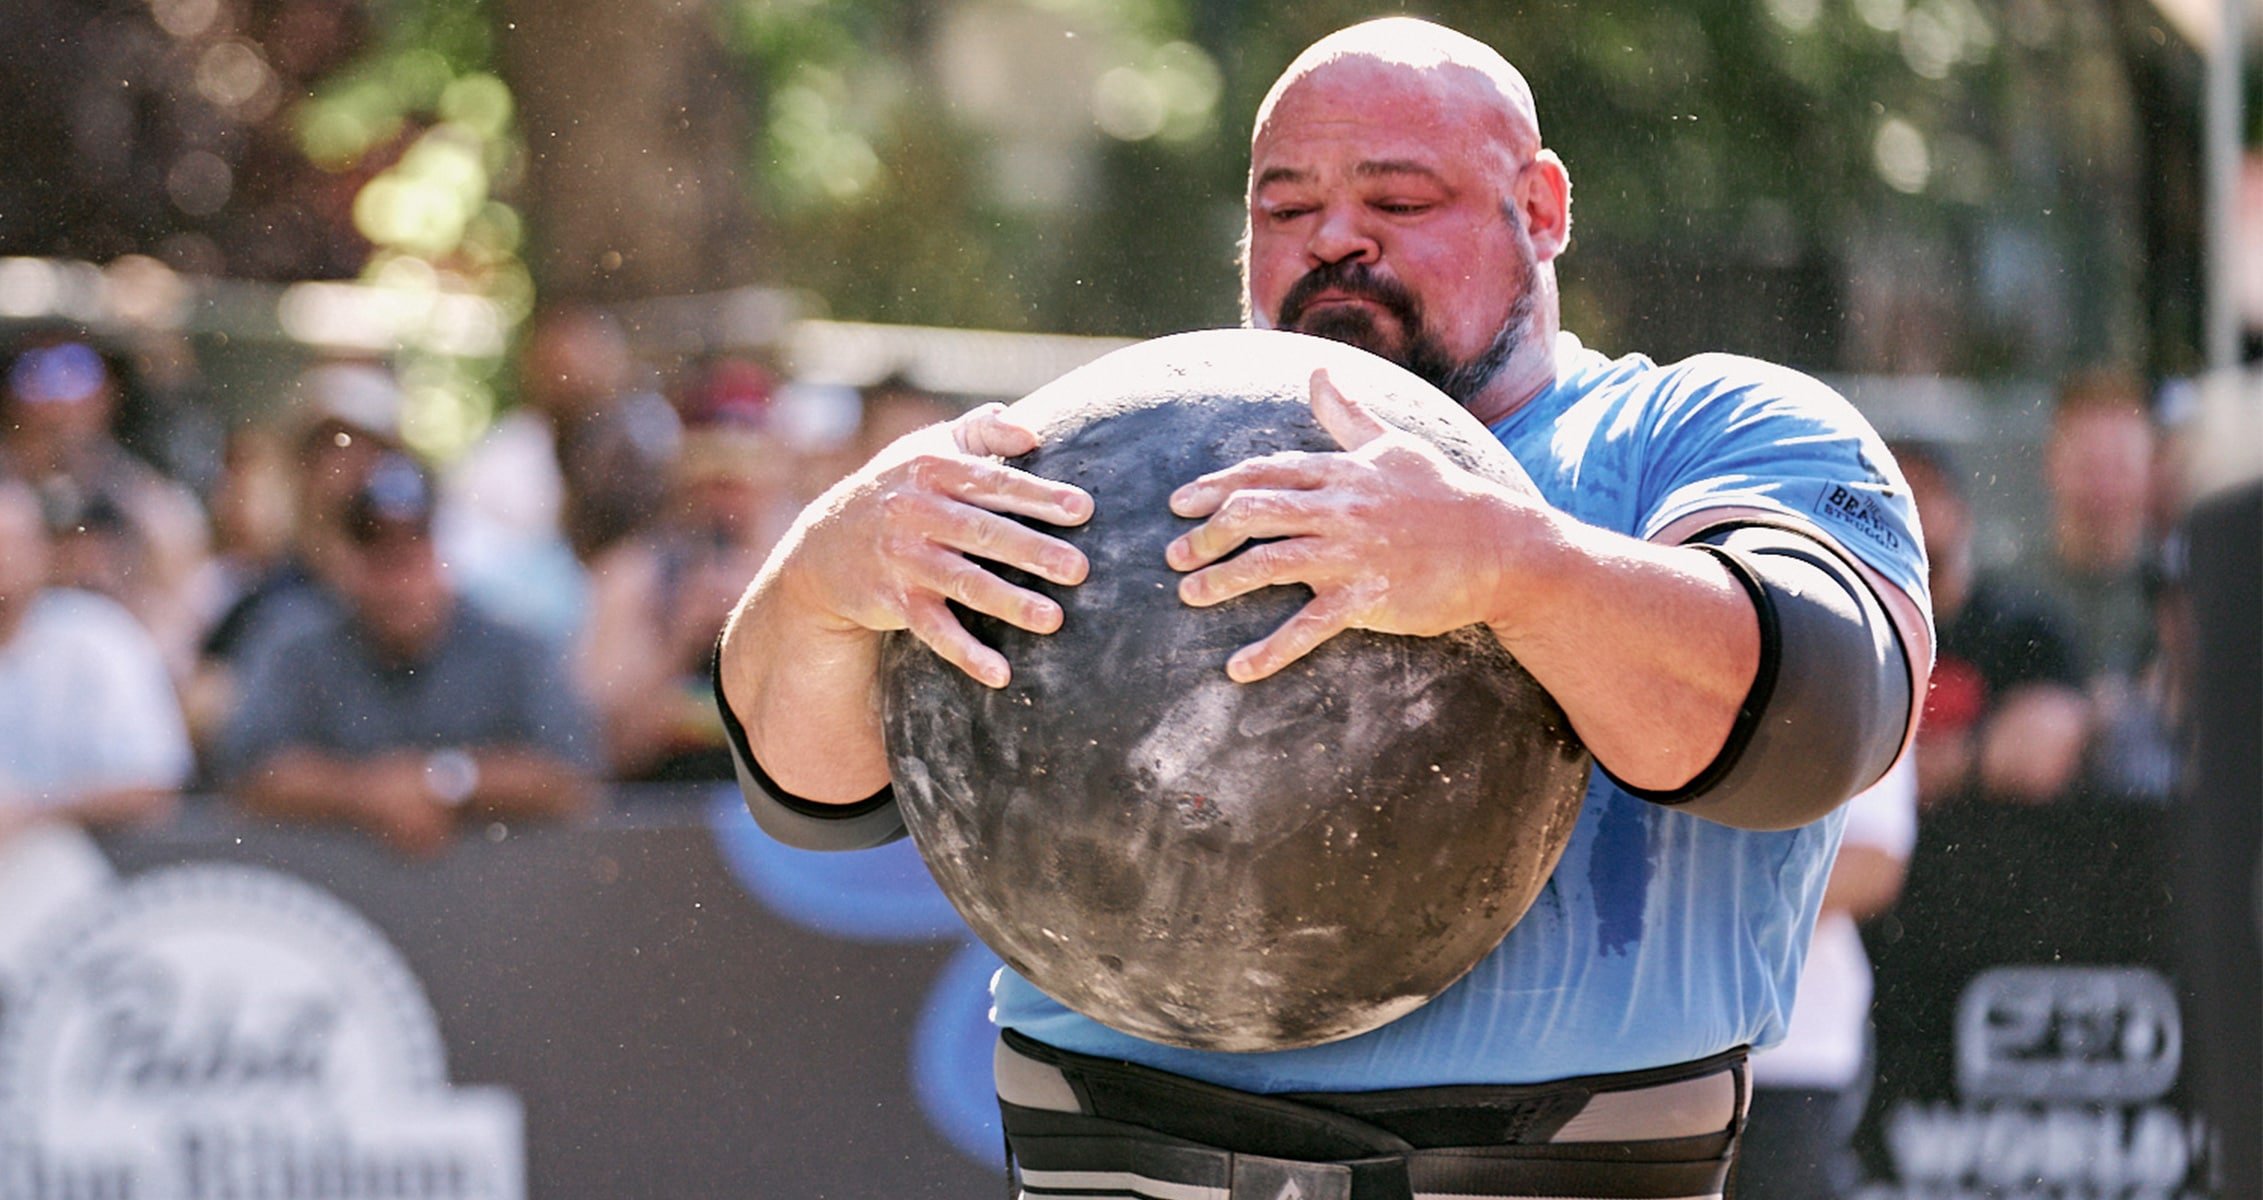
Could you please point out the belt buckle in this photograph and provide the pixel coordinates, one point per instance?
(1259, 1178)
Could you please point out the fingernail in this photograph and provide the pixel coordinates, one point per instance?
(1239, 669)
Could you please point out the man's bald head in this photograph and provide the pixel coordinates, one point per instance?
(1400, 200)
(1460, 72)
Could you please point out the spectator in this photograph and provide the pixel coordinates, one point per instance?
(2111, 481)
(1809, 1091)
(144, 538)
(2098, 467)
(90, 729)
(407, 711)
(340, 419)
(658, 600)
(253, 513)
(577, 465)
(2005, 717)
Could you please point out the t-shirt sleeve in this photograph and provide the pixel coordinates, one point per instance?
(555, 719)
(1737, 433)
(276, 705)
(136, 713)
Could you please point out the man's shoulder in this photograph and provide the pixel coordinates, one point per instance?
(1710, 383)
(476, 633)
(314, 638)
(85, 624)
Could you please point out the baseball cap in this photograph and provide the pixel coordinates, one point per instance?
(395, 499)
(57, 374)
(360, 396)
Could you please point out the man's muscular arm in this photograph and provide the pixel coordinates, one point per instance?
(886, 549)
(1651, 649)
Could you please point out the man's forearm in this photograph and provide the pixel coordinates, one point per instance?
(1650, 649)
(303, 784)
(516, 782)
(808, 697)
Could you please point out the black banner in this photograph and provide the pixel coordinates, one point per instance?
(2031, 1034)
(664, 1005)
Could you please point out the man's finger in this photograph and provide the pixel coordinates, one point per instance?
(1259, 566)
(1325, 617)
(1244, 516)
(989, 430)
(930, 620)
(1003, 540)
(1003, 489)
(1289, 470)
(1346, 420)
(956, 578)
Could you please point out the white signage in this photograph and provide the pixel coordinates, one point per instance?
(2062, 1079)
(221, 1032)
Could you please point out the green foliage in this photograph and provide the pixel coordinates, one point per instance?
(1740, 166)
(1710, 141)
(425, 121)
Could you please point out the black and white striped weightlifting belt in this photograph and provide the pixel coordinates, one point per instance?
(1094, 1128)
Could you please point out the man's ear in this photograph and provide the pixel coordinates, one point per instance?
(1544, 196)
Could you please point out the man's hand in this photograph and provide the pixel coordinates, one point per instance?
(1390, 535)
(889, 548)
(397, 807)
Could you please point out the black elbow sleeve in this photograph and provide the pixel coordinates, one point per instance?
(804, 824)
(1830, 702)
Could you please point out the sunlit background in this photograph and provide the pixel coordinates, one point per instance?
(810, 218)
(1984, 190)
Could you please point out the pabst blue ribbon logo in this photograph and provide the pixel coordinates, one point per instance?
(215, 1031)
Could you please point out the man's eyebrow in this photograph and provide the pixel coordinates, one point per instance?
(1373, 168)
(1376, 167)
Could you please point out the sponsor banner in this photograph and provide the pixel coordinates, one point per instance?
(662, 1005)
(218, 1030)
(2031, 1034)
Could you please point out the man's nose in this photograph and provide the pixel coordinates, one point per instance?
(1341, 236)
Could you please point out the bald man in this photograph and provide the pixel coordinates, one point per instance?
(1716, 571)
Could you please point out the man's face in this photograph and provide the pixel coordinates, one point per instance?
(1383, 213)
(2100, 466)
(398, 590)
(1941, 512)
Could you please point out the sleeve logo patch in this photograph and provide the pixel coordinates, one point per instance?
(1859, 511)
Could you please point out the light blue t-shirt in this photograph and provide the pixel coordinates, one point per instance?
(1661, 938)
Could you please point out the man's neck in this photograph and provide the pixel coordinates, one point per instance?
(411, 648)
(1531, 371)
(2097, 553)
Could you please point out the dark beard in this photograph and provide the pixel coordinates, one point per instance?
(1418, 349)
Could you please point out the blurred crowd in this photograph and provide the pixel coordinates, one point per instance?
(2055, 715)
(332, 629)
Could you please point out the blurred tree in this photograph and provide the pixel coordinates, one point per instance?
(161, 128)
(1979, 187)
(635, 129)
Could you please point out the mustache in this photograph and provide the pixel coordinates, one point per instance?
(1351, 278)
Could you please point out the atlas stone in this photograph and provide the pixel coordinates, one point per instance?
(1201, 862)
